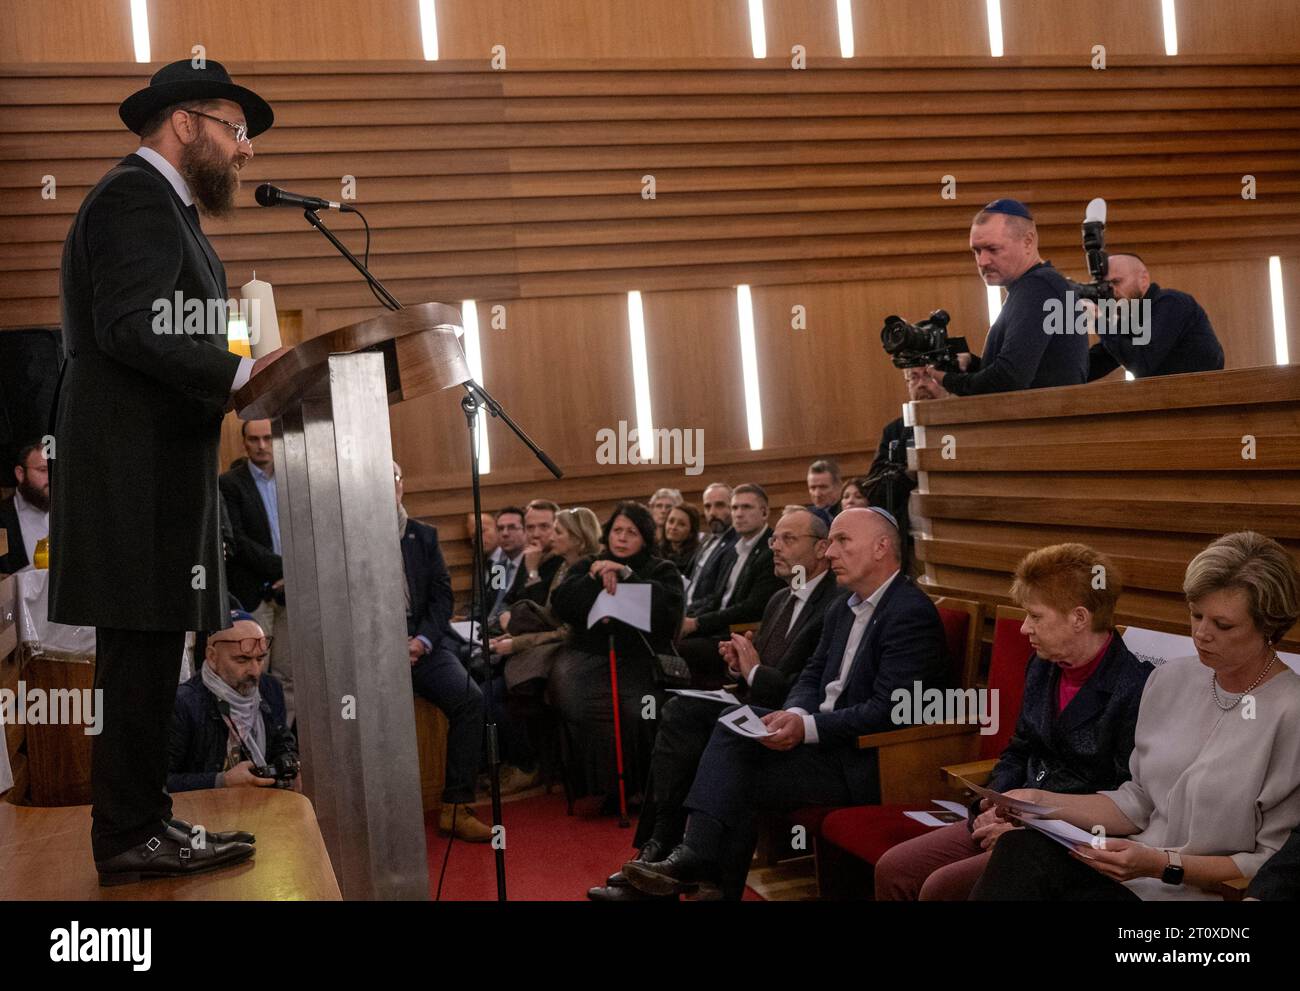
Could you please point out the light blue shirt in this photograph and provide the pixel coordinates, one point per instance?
(266, 489)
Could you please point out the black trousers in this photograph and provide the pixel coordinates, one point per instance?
(441, 678)
(708, 669)
(1027, 866)
(685, 725)
(138, 672)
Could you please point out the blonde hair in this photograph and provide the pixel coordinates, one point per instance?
(1260, 567)
(582, 524)
(1064, 576)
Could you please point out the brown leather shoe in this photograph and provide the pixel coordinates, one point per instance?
(468, 828)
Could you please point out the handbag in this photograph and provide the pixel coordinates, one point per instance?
(671, 671)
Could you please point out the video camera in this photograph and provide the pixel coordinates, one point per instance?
(923, 343)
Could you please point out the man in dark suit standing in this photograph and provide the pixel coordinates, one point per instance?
(135, 534)
(885, 636)
(744, 582)
(255, 571)
(765, 668)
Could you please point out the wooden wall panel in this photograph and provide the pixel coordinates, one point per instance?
(584, 29)
(1236, 298)
(1061, 27)
(810, 23)
(66, 31)
(1242, 27)
(912, 28)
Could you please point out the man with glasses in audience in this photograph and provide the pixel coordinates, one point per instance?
(229, 723)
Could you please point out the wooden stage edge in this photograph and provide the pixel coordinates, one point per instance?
(45, 852)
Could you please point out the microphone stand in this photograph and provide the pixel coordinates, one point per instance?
(476, 397)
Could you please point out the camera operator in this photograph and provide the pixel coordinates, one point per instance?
(888, 483)
(1179, 339)
(229, 725)
(1018, 353)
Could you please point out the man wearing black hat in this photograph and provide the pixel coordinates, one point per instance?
(1019, 352)
(137, 553)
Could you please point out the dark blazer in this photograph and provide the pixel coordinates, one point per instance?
(1086, 747)
(196, 744)
(755, 585)
(538, 590)
(572, 600)
(137, 416)
(254, 562)
(16, 558)
(1279, 879)
(429, 583)
(784, 656)
(705, 570)
(903, 643)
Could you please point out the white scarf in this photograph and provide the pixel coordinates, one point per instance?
(245, 713)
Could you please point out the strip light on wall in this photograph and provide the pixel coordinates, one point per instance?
(1281, 349)
(474, 358)
(995, 27)
(429, 30)
(994, 296)
(845, 10)
(140, 29)
(757, 29)
(749, 367)
(640, 375)
(1171, 26)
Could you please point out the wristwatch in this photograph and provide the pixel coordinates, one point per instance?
(1173, 872)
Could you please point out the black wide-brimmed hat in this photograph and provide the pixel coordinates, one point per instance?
(180, 82)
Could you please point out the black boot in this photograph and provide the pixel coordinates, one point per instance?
(169, 855)
(679, 873)
(233, 836)
(652, 851)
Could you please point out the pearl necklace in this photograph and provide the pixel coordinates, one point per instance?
(1214, 686)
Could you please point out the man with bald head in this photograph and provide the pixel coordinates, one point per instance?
(1019, 353)
(1180, 337)
(885, 636)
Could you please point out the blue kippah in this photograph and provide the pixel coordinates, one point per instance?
(1013, 208)
(237, 615)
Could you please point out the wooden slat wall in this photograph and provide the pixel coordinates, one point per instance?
(1149, 472)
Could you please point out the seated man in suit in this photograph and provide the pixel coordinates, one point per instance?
(436, 673)
(745, 582)
(255, 571)
(503, 565)
(824, 486)
(539, 565)
(1179, 335)
(765, 668)
(25, 515)
(720, 535)
(885, 636)
(229, 718)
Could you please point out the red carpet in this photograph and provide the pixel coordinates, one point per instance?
(550, 856)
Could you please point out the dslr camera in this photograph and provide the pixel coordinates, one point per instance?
(283, 769)
(923, 343)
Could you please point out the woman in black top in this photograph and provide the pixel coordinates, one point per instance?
(580, 684)
(681, 537)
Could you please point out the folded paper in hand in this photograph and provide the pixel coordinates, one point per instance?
(631, 605)
(746, 722)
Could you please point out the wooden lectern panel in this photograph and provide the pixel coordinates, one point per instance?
(1148, 472)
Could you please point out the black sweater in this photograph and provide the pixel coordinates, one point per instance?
(573, 599)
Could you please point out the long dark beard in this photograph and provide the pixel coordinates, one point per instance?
(37, 497)
(213, 182)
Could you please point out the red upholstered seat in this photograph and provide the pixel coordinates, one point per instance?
(956, 625)
(867, 831)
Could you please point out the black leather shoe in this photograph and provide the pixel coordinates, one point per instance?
(624, 893)
(652, 851)
(679, 873)
(169, 855)
(234, 836)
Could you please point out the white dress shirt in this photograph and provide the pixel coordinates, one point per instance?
(863, 610)
(182, 188)
(33, 523)
(743, 547)
(800, 597)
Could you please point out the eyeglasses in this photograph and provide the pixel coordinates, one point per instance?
(247, 645)
(241, 130)
(787, 539)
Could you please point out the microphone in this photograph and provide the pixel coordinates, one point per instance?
(268, 195)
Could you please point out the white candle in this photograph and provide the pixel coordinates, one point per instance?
(263, 328)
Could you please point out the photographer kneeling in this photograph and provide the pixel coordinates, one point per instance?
(1019, 353)
(228, 727)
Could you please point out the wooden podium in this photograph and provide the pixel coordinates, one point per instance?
(328, 400)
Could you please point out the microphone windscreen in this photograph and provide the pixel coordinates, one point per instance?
(1096, 212)
(265, 194)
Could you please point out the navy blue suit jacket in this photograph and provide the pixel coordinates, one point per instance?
(429, 583)
(904, 643)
